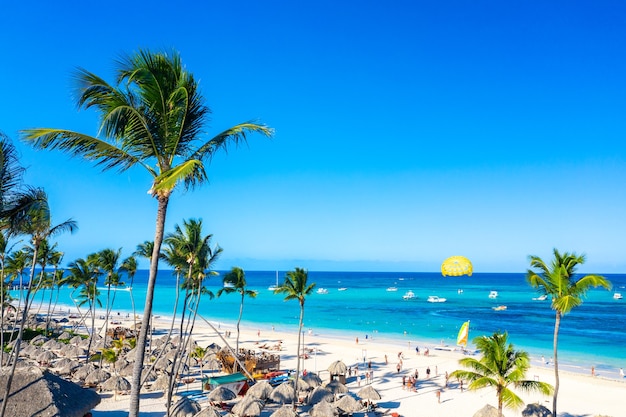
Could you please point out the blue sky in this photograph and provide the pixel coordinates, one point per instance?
(406, 132)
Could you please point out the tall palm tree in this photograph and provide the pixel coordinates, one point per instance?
(35, 221)
(235, 282)
(500, 366)
(129, 267)
(296, 287)
(558, 281)
(153, 118)
(108, 260)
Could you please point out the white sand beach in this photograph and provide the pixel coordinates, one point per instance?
(579, 395)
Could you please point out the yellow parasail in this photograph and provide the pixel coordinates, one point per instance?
(455, 266)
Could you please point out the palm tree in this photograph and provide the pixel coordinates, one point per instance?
(154, 118)
(107, 261)
(35, 221)
(296, 287)
(558, 280)
(129, 266)
(500, 367)
(235, 282)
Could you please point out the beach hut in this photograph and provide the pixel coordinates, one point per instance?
(237, 383)
(37, 393)
(338, 370)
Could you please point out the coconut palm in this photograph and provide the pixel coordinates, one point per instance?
(296, 287)
(500, 367)
(558, 281)
(235, 282)
(153, 118)
(129, 267)
(35, 221)
(108, 260)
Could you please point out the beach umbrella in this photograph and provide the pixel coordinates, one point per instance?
(284, 411)
(336, 387)
(46, 357)
(126, 371)
(96, 377)
(130, 355)
(84, 370)
(38, 393)
(487, 411)
(161, 383)
(312, 379)
(116, 383)
(39, 340)
(323, 409)
(261, 390)
(64, 336)
(162, 364)
(337, 368)
(70, 351)
(120, 364)
(536, 410)
(368, 393)
(185, 407)
(348, 404)
(209, 412)
(455, 266)
(284, 393)
(220, 394)
(320, 394)
(248, 407)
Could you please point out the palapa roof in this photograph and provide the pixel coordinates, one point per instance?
(284, 393)
(249, 407)
(185, 407)
(38, 393)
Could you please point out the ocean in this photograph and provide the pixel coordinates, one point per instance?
(591, 335)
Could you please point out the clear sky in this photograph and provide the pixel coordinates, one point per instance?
(406, 131)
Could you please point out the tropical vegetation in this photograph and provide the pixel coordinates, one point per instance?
(558, 281)
(153, 118)
(502, 368)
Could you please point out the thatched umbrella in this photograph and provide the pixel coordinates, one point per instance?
(284, 393)
(323, 409)
(368, 393)
(209, 412)
(38, 340)
(96, 377)
(312, 379)
(337, 368)
(84, 370)
(75, 340)
(261, 390)
(120, 364)
(303, 386)
(116, 384)
(161, 383)
(248, 407)
(348, 404)
(487, 411)
(38, 393)
(185, 407)
(285, 411)
(127, 370)
(336, 387)
(53, 344)
(220, 394)
(162, 364)
(70, 351)
(46, 357)
(64, 336)
(320, 394)
(536, 410)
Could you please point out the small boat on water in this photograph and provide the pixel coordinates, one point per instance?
(274, 287)
(435, 299)
(409, 295)
(541, 298)
(341, 289)
(322, 291)
(499, 308)
(493, 294)
(391, 289)
(617, 296)
(459, 291)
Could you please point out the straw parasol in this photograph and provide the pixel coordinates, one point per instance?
(320, 394)
(96, 377)
(336, 387)
(161, 383)
(284, 411)
(368, 393)
(312, 379)
(38, 393)
(323, 409)
(185, 407)
(284, 393)
(64, 336)
(261, 390)
(116, 383)
(46, 357)
(337, 368)
(209, 412)
(220, 394)
(248, 407)
(348, 404)
(84, 370)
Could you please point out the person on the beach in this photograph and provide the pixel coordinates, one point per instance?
(398, 367)
(438, 393)
(417, 350)
(403, 381)
(357, 340)
(593, 371)
(417, 374)
(621, 373)
(428, 372)
(386, 361)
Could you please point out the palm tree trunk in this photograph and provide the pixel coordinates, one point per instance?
(557, 322)
(295, 386)
(147, 312)
(20, 334)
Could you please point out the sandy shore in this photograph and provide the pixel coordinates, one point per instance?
(579, 396)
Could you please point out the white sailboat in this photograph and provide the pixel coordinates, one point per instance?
(274, 287)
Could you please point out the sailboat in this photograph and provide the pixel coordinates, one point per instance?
(275, 286)
(461, 339)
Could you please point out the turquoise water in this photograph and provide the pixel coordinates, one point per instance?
(591, 334)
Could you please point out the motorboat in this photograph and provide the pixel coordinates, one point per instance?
(391, 289)
(617, 296)
(541, 298)
(322, 291)
(342, 289)
(409, 295)
(493, 294)
(459, 291)
(499, 308)
(435, 299)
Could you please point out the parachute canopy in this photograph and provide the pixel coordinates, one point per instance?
(455, 266)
